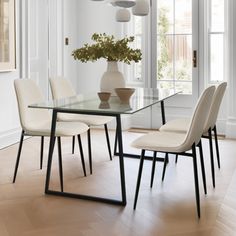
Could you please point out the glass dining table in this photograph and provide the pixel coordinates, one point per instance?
(91, 105)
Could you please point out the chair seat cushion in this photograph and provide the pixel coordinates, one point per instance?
(162, 142)
(62, 129)
(87, 119)
(177, 125)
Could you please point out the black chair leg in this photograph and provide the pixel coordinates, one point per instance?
(196, 180)
(164, 167)
(41, 152)
(217, 146)
(202, 166)
(89, 151)
(176, 158)
(108, 141)
(212, 157)
(115, 144)
(139, 178)
(60, 163)
(153, 168)
(18, 155)
(73, 145)
(81, 154)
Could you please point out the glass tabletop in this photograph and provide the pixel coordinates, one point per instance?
(90, 103)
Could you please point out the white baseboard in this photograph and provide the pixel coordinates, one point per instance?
(9, 137)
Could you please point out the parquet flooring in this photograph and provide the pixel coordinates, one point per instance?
(168, 209)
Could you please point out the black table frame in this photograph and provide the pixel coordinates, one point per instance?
(130, 155)
(121, 155)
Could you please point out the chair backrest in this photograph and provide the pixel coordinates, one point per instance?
(215, 106)
(199, 117)
(27, 92)
(61, 88)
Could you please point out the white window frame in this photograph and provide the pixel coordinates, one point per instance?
(207, 34)
(128, 30)
(181, 100)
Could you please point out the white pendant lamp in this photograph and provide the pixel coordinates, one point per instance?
(124, 3)
(123, 15)
(141, 8)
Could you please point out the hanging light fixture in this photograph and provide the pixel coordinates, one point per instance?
(141, 8)
(124, 3)
(123, 15)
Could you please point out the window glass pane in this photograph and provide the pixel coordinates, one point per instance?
(165, 85)
(165, 57)
(185, 87)
(183, 16)
(217, 16)
(183, 57)
(165, 16)
(217, 57)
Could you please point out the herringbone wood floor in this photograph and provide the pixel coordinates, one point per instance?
(166, 209)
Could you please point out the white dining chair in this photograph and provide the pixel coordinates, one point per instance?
(181, 126)
(62, 88)
(178, 143)
(37, 122)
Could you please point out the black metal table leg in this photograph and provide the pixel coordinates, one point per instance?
(81, 196)
(121, 159)
(163, 116)
(51, 147)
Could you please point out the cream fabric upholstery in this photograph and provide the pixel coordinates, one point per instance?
(215, 106)
(62, 88)
(37, 122)
(174, 142)
(178, 125)
(181, 125)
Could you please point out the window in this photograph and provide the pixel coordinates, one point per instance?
(174, 45)
(169, 58)
(215, 38)
(174, 27)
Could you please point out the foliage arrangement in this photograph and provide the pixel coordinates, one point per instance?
(107, 47)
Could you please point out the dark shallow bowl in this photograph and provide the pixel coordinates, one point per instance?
(124, 94)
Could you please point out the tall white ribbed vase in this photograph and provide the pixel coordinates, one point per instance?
(112, 78)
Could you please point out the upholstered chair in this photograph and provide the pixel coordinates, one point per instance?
(178, 143)
(62, 88)
(37, 122)
(181, 126)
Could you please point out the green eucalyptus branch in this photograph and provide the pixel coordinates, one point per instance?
(107, 47)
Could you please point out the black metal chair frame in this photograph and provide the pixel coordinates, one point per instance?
(194, 156)
(89, 146)
(23, 134)
(209, 137)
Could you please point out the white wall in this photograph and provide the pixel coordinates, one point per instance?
(82, 19)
